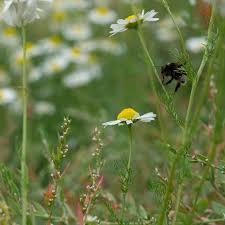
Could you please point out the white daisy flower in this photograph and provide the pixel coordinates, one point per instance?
(49, 45)
(103, 45)
(166, 32)
(35, 74)
(129, 116)
(76, 55)
(44, 108)
(7, 95)
(196, 44)
(110, 46)
(82, 76)
(18, 13)
(192, 2)
(132, 22)
(102, 15)
(77, 32)
(9, 37)
(70, 5)
(54, 65)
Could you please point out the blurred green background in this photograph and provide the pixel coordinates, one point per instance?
(121, 80)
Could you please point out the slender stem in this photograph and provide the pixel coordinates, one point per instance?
(164, 137)
(197, 78)
(144, 46)
(182, 42)
(24, 178)
(178, 198)
(130, 137)
(192, 97)
(169, 188)
(130, 148)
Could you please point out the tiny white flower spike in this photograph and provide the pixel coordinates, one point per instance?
(18, 13)
(133, 21)
(128, 116)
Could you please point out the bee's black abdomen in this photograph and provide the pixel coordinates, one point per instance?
(175, 71)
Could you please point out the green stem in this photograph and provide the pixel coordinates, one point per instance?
(178, 198)
(130, 148)
(164, 137)
(130, 137)
(182, 42)
(145, 49)
(169, 188)
(24, 178)
(197, 78)
(192, 97)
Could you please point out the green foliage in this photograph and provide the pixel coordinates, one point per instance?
(9, 182)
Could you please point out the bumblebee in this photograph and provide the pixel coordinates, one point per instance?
(176, 72)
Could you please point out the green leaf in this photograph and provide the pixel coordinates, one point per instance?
(38, 209)
(202, 205)
(142, 212)
(9, 182)
(218, 208)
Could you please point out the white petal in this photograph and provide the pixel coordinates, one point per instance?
(116, 26)
(7, 5)
(148, 117)
(121, 21)
(111, 123)
(128, 122)
(149, 16)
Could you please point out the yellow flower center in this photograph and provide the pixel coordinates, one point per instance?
(19, 59)
(131, 19)
(59, 16)
(55, 67)
(55, 40)
(10, 32)
(102, 10)
(29, 46)
(128, 114)
(76, 51)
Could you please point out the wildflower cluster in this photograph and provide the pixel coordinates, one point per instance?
(56, 158)
(94, 186)
(71, 51)
(50, 194)
(62, 147)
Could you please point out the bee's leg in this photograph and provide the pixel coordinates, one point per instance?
(169, 81)
(177, 86)
(163, 78)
